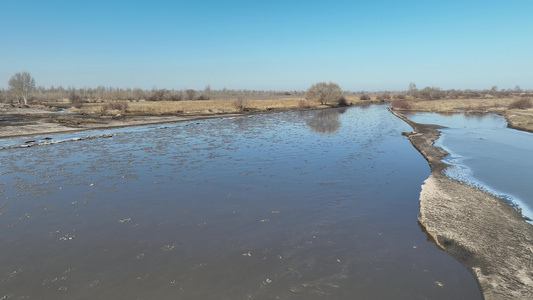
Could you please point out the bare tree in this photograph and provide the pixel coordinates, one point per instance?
(323, 92)
(190, 94)
(412, 91)
(21, 85)
(207, 91)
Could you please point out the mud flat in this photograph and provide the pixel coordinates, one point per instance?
(483, 232)
(24, 122)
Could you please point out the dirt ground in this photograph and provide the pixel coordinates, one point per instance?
(483, 232)
(34, 121)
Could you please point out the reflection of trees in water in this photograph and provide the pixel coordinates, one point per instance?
(475, 116)
(447, 114)
(365, 106)
(325, 121)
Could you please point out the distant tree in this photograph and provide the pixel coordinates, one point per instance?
(21, 85)
(383, 96)
(138, 94)
(323, 92)
(190, 94)
(207, 91)
(75, 99)
(412, 91)
(157, 95)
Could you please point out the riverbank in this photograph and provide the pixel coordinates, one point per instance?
(481, 231)
(28, 122)
(40, 120)
(521, 119)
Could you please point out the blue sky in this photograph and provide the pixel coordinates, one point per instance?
(268, 45)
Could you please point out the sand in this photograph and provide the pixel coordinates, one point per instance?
(484, 233)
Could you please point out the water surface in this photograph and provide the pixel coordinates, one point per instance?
(294, 205)
(485, 153)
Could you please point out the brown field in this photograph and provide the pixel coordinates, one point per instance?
(199, 107)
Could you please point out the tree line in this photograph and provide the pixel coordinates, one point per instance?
(23, 91)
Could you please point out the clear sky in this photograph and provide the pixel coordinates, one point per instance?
(269, 44)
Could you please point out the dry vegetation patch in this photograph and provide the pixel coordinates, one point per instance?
(200, 107)
(462, 105)
(517, 111)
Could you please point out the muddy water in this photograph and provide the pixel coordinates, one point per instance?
(295, 205)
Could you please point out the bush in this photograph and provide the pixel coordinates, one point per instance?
(364, 97)
(75, 100)
(524, 103)
(401, 104)
(304, 104)
(342, 101)
(383, 96)
(157, 95)
(190, 94)
(173, 96)
(240, 104)
(115, 105)
(400, 97)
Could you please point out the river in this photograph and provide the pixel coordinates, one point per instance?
(485, 153)
(293, 205)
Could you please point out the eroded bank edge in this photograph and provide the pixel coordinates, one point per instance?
(478, 229)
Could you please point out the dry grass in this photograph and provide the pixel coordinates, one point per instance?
(204, 107)
(195, 107)
(462, 105)
(518, 118)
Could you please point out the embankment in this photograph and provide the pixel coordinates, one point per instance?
(481, 231)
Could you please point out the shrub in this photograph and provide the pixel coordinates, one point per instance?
(190, 94)
(304, 104)
(401, 104)
(240, 104)
(115, 105)
(400, 97)
(383, 96)
(342, 101)
(524, 103)
(157, 95)
(75, 99)
(364, 97)
(174, 96)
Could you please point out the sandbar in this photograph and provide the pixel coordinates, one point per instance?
(484, 233)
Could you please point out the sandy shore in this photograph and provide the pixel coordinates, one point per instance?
(481, 231)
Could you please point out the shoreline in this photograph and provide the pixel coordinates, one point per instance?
(481, 231)
(17, 125)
